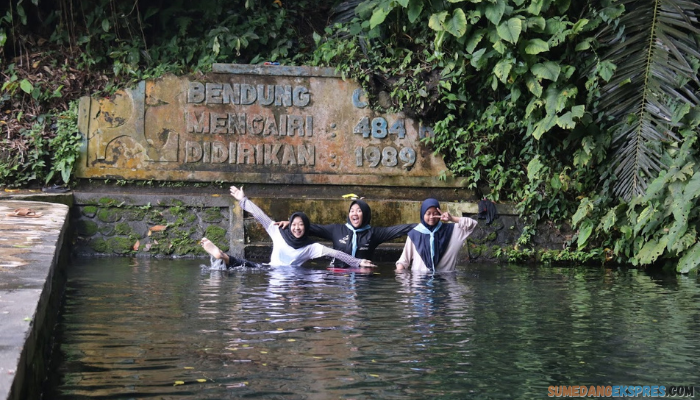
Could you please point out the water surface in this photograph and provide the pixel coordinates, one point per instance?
(168, 329)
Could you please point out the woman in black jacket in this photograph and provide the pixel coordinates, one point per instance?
(357, 237)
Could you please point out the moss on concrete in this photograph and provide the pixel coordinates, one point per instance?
(476, 250)
(86, 228)
(123, 229)
(106, 201)
(212, 215)
(217, 235)
(155, 217)
(109, 215)
(190, 217)
(120, 245)
(99, 245)
(134, 215)
(89, 211)
(106, 230)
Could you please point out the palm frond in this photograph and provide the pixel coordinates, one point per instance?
(655, 48)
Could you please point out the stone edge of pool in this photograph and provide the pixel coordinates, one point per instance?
(33, 255)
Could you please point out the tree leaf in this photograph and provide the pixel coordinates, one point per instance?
(609, 220)
(535, 7)
(502, 69)
(690, 260)
(510, 30)
(583, 234)
(534, 167)
(26, 86)
(414, 10)
(436, 21)
(651, 251)
(494, 11)
(546, 70)
(476, 58)
(536, 46)
(565, 121)
(584, 207)
(544, 125)
(533, 85)
(378, 16)
(457, 25)
(474, 40)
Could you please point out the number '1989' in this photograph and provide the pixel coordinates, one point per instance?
(387, 156)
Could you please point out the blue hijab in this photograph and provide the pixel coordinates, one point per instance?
(430, 242)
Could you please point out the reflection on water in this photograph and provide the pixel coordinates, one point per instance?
(142, 328)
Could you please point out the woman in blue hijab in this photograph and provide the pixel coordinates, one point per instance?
(434, 244)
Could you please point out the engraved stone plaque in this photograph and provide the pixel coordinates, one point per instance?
(261, 124)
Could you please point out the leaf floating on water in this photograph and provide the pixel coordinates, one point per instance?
(179, 383)
(263, 352)
(291, 340)
(374, 375)
(237, 385)
(189, 367)
(200, 380)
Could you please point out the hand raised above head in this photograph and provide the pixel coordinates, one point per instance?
(237, 193)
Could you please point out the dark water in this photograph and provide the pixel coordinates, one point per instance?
(141, 328)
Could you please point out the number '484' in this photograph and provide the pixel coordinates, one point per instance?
(378, 128)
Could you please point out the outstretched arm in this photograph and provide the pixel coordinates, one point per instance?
(321, 231)
(384, 234)
(347, 258)
(249, 206)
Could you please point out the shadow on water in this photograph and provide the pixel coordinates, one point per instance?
(143, 328)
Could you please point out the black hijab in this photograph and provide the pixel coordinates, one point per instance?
(364, 224)
(293, 241)
(420, 236)
(366, 213)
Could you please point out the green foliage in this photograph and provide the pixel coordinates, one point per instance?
(23, 164)
(581, 112)
(65, 146)
(657, 44)
(658, 227)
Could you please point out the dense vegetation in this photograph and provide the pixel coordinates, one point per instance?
(580, 112)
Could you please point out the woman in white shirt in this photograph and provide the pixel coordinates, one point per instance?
(433, 245)
(290, 246)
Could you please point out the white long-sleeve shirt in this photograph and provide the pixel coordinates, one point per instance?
(284, 254)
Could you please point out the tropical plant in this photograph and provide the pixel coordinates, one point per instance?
(652, 59)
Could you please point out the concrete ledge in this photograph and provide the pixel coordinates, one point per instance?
(31, 283)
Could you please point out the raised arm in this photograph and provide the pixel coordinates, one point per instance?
(249, 206)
